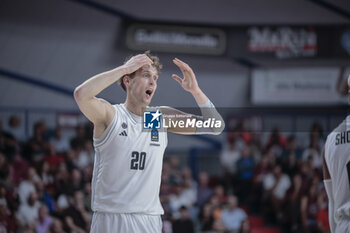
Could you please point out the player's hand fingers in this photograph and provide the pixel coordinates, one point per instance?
(183, 69)
(182, 64)
(177, 78)
(148, 59)
(144, 59)
(179, 64)
(186, 69)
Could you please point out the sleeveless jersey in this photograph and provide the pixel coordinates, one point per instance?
(127, 167)
(337, 155)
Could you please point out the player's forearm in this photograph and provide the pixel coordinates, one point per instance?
(199, 96)
(98, 83)
(208, 111)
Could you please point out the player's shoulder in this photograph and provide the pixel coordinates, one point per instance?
(120, 108)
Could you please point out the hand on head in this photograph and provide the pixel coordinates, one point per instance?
(136, 62)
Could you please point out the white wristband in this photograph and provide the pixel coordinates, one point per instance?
(207, 104)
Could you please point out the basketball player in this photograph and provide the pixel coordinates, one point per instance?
(128, 159)
(336, 169)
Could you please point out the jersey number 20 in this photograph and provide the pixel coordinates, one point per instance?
(138, 160)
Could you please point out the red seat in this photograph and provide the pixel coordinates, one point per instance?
(256, 221)
(265, 230)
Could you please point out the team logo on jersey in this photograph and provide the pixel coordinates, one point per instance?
(152, 119)
(154, 135)
(124, 125)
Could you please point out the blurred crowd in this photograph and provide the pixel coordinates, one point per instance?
(45, 184)
(45, 180)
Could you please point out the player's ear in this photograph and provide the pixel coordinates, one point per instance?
(126, 80)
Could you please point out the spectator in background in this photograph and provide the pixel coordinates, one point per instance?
(44, 197)
(7, 221)
(8, 144)
(245, 227)
(174, 170)
(176, 200)
(184, 224)
(317, 133)
(186, 175)
(228, 159)
(309, 209)
(230, 155)
(38, 144)
(219, 192)
(28, 212)
(276, 142)
(76, 216)
(216, 207)
(27, 186)
(56, 227)
(4, 168)
(291, 148)
(60, 143)
(245, 172)
(87, 174)
(46, 173)
(44, 221)
(78, 141)
(14, 128)
(291, 206)
(184, 196)
(313, 151)
(291, 164)
(83, 155)
(19, 169)
(53, 158)
(233, 216)
(322, 214)
(167, 225)
(235, 136)
(204, 192)
(9, 194)
(261, 170)
(307, 174)
(275, 185)
(62, 185)
(76, 181)
(206, 218)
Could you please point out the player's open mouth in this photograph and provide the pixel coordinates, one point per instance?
(149, 92)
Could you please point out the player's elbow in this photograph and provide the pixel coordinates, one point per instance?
(219, 129)
(79, 94)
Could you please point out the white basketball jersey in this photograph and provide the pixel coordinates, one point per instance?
(337, 155)
(128, 166)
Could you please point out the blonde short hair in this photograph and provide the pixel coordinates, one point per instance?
(155, 64)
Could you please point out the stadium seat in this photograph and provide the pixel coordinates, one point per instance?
(265, 230)
(256, 221)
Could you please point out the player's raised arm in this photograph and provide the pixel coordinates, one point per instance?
(97, 110)
(190, 84)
